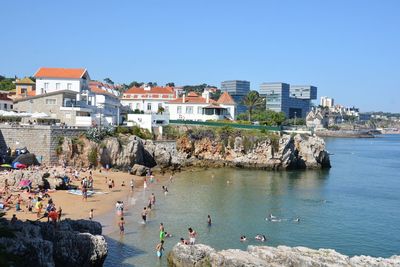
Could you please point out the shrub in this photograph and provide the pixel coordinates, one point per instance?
(10, 119)
(92, 156)
(96, 134)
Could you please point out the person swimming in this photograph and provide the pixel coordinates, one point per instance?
(261, 238)
(297, 220)
(243, 238)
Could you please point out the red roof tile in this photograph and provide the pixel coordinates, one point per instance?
(192, 98)
(153, 90)
(60, 73)
(226, 98)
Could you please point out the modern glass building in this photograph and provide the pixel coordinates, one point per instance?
(294, 101)
(237, 89)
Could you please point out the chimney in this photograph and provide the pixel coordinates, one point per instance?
(183, 98)
(208, 98)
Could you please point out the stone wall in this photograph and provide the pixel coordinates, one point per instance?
(41, 140)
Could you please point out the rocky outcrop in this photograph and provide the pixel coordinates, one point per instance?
(71, 243)
(286, 152)
(259, 256)
(266, 152)
(38, 178)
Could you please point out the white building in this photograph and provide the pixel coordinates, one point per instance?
(55, 79)
(149, 121)
(107, 103)
(201, 108)
(327, 101)
(147, 99)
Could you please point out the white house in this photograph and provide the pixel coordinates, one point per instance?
(202, 108)
(107, 103)
(149, 121)
(147, 99)
(55, 79)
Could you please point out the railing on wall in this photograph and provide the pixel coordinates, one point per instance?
(221, 124)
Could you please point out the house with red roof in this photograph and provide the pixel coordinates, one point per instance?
(201, 108)
(55, 79)
(148, 99)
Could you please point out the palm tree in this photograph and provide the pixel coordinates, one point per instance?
(252, 100)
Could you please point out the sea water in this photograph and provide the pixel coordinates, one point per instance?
(353, 208)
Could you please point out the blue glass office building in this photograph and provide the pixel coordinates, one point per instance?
(294, 101)
(237, 89)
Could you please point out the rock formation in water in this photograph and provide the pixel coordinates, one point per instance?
(279, 153)
(260, 256)
(72, 243)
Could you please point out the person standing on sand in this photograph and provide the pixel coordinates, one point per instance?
(91, 214)
(132, 185)
(160, 249)
(59, 213)
(121, 224)
(110, 185)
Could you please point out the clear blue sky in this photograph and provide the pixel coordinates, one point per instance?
(349, 49)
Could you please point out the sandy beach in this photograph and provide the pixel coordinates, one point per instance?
(102, 202)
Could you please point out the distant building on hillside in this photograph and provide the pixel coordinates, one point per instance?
(327, 102)
(294, 101)
(24, 87)
(237, 89)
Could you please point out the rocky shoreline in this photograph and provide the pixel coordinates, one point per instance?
(260, 256)
(136, 155)
(71, 243)
(345, 134)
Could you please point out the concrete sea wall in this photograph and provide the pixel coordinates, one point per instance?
(41, 140)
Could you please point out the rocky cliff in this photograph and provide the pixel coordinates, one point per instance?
(260, 256)
(72, 243)
(269, 152)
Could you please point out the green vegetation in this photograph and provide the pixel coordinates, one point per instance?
(7, 84)
(10, 119)
(252, 101)
(134, 130)
(92, 156)
(264, 117)
(160, 110)
(60, 142)
(297, 121)
(96, 134)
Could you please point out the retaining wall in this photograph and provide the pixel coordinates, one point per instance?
(41, 140)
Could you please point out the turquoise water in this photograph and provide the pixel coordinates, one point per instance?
(353, 208)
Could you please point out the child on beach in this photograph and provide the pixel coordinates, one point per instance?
(91, 214)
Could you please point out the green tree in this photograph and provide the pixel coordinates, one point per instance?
(252, 100)
(108, 80)
(171, 84)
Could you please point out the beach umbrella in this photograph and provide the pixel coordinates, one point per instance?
(20, 166)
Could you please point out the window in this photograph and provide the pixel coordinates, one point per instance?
(189, 110)
(179, 109)
(199, 110)
(159, 105)
(5, 106)
(11, 106)
(148, 106)
(51, 101)
(46, 86)
(69, 86)
(137, 105)
(23, 91)
(57, 86)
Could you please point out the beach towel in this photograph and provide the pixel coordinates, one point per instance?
(79, 192)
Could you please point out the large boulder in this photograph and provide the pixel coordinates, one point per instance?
(139, 170)
(264, 256)
(72, 243)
